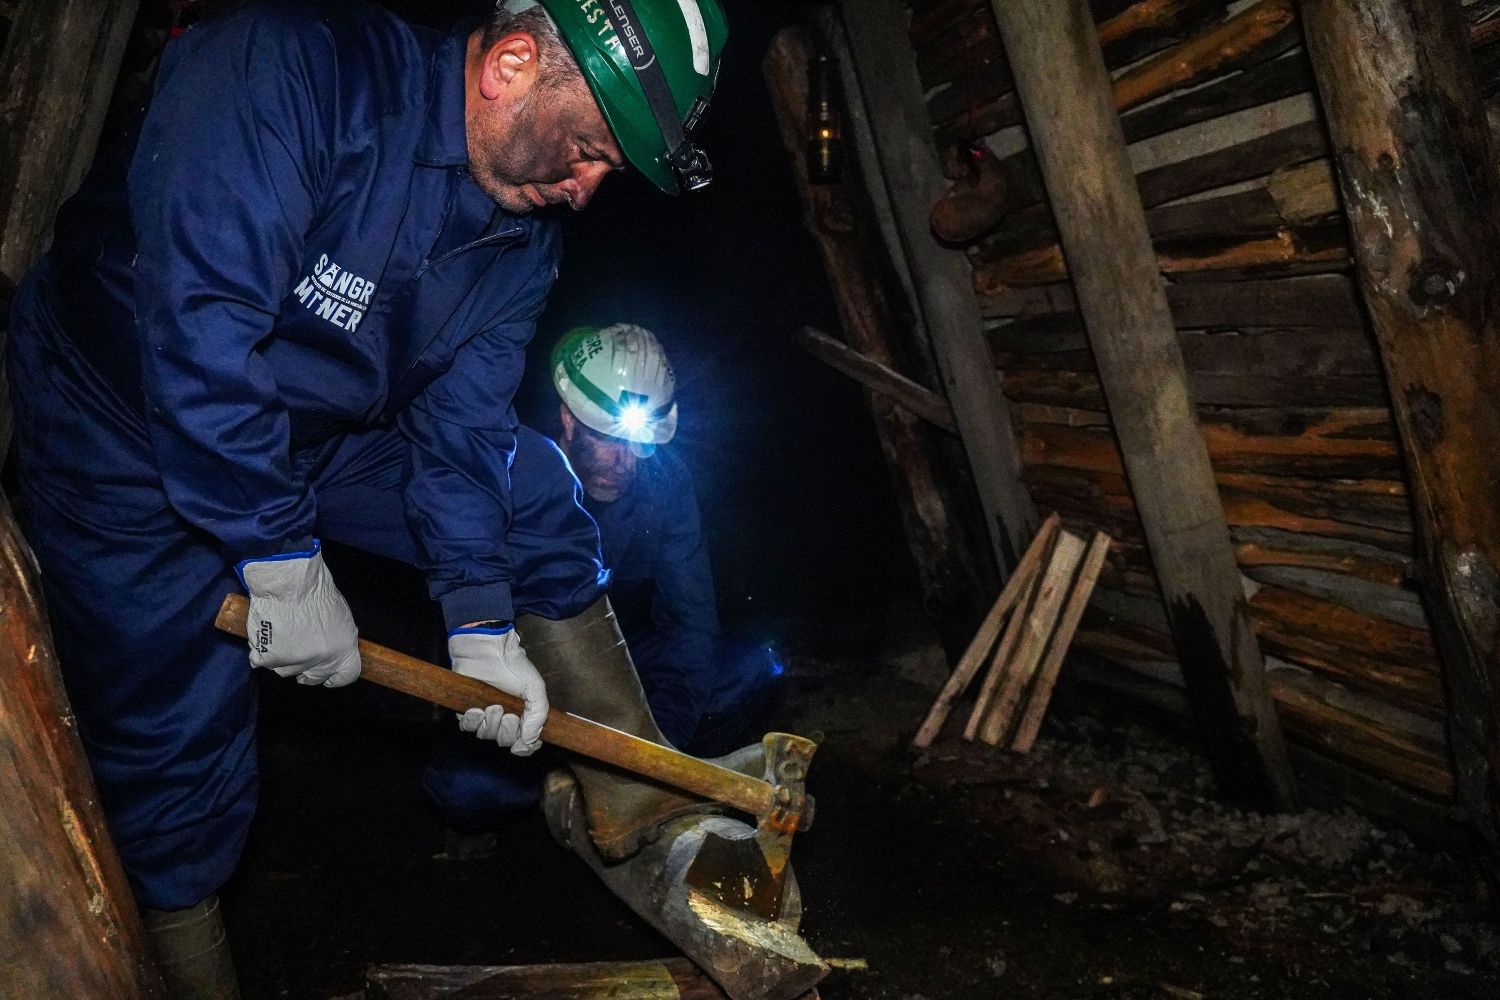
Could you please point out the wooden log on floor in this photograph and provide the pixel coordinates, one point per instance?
(69, 926)
(984, 639)
(881, 56)
(1423, 197)
(666, 979)
(1065, 90)
(951, 567)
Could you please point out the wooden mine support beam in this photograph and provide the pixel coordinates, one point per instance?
(59, 68)
(1420, 187)
(882, 58)
(1065, 91)
(68, 923)
(879, 378)
(951, 564)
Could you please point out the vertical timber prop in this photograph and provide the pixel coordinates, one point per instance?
(1065, 92)
(58, 70)
(1419, 182)
(59, 67)
(953, 577)
(882, 60)
(68, 923)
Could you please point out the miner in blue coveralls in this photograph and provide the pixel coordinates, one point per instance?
(293, 306)
(617, 410)
(617, 407)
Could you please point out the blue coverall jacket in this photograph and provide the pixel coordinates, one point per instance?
(704, 692)
(302, 172)
(284, 309)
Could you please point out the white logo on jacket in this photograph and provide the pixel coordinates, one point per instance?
(335, 293)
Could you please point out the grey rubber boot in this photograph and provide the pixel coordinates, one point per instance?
(589, 672)
(192, 953)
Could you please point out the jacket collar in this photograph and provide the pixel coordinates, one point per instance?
(445, 136)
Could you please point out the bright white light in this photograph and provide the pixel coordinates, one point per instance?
(633, 418)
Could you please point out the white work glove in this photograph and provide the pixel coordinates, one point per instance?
(300, 625)
(495, 656)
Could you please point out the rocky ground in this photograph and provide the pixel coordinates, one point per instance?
(1107, 867)
(1100, 865)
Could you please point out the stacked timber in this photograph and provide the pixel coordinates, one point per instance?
(1232, 161)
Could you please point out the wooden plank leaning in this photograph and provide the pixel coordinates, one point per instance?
(995, 675)
(1062, 638)
(984, 639)
(1035, 632)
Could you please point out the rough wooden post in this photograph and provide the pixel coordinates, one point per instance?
(1065, 92)
(1420, 187)
(58, 71)
(68, 923)
(892, 93)
(952, 576)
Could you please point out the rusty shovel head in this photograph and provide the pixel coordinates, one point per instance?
(735, 873)
(748, 872)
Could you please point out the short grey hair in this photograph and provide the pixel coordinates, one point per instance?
(556, 63)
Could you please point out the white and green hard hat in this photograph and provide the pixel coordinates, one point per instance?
(617, 381)
(652, 66)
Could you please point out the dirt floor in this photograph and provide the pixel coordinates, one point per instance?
(1099, 866)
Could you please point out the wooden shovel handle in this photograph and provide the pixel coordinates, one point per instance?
(443, 687)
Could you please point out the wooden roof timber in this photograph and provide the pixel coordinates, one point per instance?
(1423, 201)
(1075, 129)
(880, 55)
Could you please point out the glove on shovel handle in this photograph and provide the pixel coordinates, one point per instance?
(595, 740)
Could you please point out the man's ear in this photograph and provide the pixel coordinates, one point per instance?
(510, 62)
(568, 421)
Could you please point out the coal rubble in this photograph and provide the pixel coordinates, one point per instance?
(1102, 864)
(1123, 817)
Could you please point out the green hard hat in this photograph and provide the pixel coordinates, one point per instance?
(652, 65)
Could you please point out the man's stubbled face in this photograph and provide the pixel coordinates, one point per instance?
(606, 466)
(550, 146)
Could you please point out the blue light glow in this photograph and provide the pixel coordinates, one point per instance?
(777, 667)
(633, 418)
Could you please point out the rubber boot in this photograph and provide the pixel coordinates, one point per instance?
(589, 672)
(192, 953)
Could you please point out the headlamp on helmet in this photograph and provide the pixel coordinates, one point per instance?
(652, 66)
